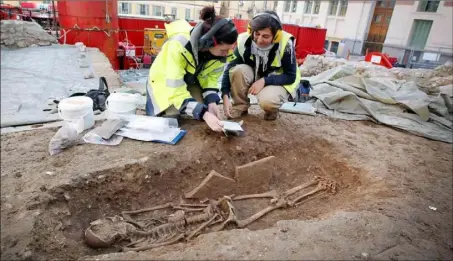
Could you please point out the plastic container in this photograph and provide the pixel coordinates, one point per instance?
(120, 104)
(78, 111)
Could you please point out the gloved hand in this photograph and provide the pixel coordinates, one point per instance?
(213, 122)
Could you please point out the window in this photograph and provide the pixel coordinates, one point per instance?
(333, 7)
(428, 6)
(126, 8)
(241, 3)
(158, 10)
(265, 5)
(377, 18)
(187, 14)
(387, 19)
(317, 5)
(275, 5)
(419, 33)
(381, 4)
(308, 7)
(143, 9)
(294, 6)
(326, 44)
(343, 7)
(391, 4)
(287, 5)
(334, 47)
(174, 11)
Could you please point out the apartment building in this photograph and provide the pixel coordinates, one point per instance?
(246, 9)
(347, 22)
(188, 10)
(421, 31)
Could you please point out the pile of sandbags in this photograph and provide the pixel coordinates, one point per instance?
(20, 34)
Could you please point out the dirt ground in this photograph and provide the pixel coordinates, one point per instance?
(388, 181)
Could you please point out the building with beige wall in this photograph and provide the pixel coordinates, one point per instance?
(347, 22)
(421, 31)
(246, 9)
(188, 10)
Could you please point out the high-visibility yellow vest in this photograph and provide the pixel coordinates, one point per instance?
(166, 85)
(277, 62)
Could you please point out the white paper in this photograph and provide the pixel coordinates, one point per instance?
(231, 126)
(299, 107)
(375, 59)
(168, 135)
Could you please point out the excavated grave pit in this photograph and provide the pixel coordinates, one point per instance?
(162, 178)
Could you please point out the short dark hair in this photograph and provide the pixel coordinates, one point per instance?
(226, 34)
(263, 21)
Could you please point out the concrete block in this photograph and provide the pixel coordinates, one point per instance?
(256, 176)
(213, 186)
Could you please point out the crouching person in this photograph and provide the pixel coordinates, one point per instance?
(183, 78)
(264, 65)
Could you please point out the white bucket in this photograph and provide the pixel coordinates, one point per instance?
(120, 104)
(77, 110)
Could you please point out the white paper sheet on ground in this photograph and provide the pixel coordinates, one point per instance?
(168, 135)
(150, 123)
(93, 138)
(302, 108)
(231, 126)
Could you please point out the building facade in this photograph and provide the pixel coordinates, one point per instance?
(188, 10)
(346, 21)
(421, 31)
(246, 9)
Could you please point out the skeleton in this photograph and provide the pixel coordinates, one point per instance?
(189, 220)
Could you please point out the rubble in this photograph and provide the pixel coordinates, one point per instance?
(21, 34)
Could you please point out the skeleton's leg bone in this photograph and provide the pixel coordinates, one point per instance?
(318, 195)
(194, 205)
(205, 224)
(298, 188)
(321, 186)
(189, 209)
(168, 205)
(269, 194)
(243, 223)
(169, 242)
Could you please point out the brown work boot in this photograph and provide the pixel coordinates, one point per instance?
(270, 116)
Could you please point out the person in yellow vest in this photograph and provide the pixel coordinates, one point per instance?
(183, 78)
(264, 65)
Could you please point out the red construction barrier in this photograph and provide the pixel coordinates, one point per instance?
(379, 59)
(85, 21)
(241, 25)
(310, 41)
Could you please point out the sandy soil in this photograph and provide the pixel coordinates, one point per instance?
(388, 180)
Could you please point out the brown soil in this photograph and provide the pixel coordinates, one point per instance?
(47, 202)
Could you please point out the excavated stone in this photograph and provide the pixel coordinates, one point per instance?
(255, 177)
(213, 186)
